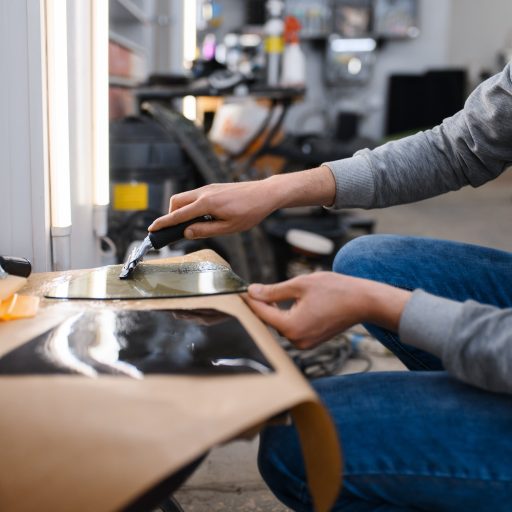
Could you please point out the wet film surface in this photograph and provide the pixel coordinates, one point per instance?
(137, 343)
(152, 282)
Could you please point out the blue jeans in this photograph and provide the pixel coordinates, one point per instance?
(418, 440)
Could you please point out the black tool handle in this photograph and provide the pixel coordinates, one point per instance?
(166, 236)
(16, 266)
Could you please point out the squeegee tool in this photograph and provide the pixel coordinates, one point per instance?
(157, 240)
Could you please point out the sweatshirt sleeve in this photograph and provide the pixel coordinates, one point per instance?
(469, 148)
(473, 340)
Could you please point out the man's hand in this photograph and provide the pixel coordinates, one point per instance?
(238, 207)
(235, 207)
(325, 304)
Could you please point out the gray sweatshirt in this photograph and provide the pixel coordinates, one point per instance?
(474, 146)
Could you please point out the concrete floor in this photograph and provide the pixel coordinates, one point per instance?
(228, 480)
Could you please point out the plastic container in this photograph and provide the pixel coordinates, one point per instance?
(294, 61)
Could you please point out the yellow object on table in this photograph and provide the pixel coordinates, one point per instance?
(12, 305)
(19, 306)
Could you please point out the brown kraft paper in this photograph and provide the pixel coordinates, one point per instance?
(75, 443)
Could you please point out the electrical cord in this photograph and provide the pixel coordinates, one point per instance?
(328, 358)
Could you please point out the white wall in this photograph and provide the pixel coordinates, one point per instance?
(24, 214)
(478, 29)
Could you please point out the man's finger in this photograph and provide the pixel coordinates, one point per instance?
(188, 212)
(206, 229)
(273, 292)
(180, 200)
(271, 315)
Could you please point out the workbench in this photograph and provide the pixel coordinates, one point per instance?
(68, 442)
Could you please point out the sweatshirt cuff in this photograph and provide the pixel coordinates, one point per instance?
(354, 182)
(427, 321)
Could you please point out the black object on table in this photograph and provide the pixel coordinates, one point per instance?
(16, 266)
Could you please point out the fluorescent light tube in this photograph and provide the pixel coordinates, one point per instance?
(353, 45)
(189, 32)
(189, 107)
(58, 118)
(58, 131)
(100, 101)
(100, 115)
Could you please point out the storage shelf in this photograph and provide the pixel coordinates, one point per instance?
(118, 38)
(306, 36)
(127, 11)
(122, 81)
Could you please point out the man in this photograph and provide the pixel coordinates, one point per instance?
(429, 440)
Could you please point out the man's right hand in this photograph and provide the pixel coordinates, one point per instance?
(238, 207)
(234, 207)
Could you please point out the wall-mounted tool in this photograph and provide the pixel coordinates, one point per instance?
(157, 240)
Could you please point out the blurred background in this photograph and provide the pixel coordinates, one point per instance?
(111, 107)
(262, 87)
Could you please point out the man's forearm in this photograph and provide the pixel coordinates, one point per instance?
(384, 304)
(305, 188)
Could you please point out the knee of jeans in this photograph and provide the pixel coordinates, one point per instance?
(280, 465)
(360, 256)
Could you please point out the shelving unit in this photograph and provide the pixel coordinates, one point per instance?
(128, 52)
(126, 41)
(128, 23)
(127, 10)
(388, 19)
(315, 17)
(121, 81)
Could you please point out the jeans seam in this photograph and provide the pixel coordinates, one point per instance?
(401, 347)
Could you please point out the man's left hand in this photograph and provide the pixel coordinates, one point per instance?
(324, 304)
